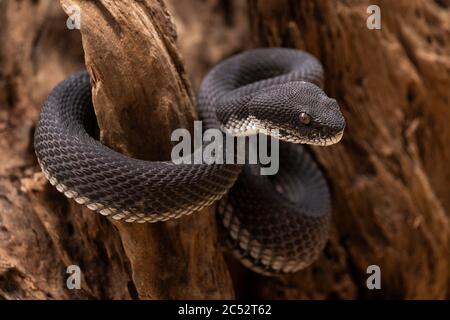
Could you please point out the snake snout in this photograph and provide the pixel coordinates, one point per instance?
(338, 123)
(333, 121)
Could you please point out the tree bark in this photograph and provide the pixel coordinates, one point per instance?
(41, 232)
(389, 175)
(140, 94)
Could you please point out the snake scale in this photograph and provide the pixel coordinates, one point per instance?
(274, 224)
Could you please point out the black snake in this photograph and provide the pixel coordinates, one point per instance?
(274, 224)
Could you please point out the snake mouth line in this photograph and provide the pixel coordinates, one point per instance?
(252, 126)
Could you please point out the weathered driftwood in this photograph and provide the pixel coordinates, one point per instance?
(140, 95)
(389, 175)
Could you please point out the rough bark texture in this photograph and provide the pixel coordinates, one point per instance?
(389, 175)
(140, 95)
(41, 232)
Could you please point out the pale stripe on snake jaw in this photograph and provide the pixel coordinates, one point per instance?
(274, 224)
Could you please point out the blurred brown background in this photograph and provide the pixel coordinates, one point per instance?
(389, 176)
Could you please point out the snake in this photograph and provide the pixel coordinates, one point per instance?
(274, 224)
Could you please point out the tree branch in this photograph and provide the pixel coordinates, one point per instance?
(140, 95)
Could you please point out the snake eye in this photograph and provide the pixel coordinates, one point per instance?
(305, 118)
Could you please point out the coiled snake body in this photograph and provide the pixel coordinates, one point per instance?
(274, 224)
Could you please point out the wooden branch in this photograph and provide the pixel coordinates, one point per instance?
(140, 95)
(41, 232)
(389, 181)
(389, 175)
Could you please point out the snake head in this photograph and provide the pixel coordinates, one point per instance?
(297, 112)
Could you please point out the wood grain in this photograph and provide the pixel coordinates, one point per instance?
(140, 95)
(389, 175)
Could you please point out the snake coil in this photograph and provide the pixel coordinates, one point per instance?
(274, 224)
